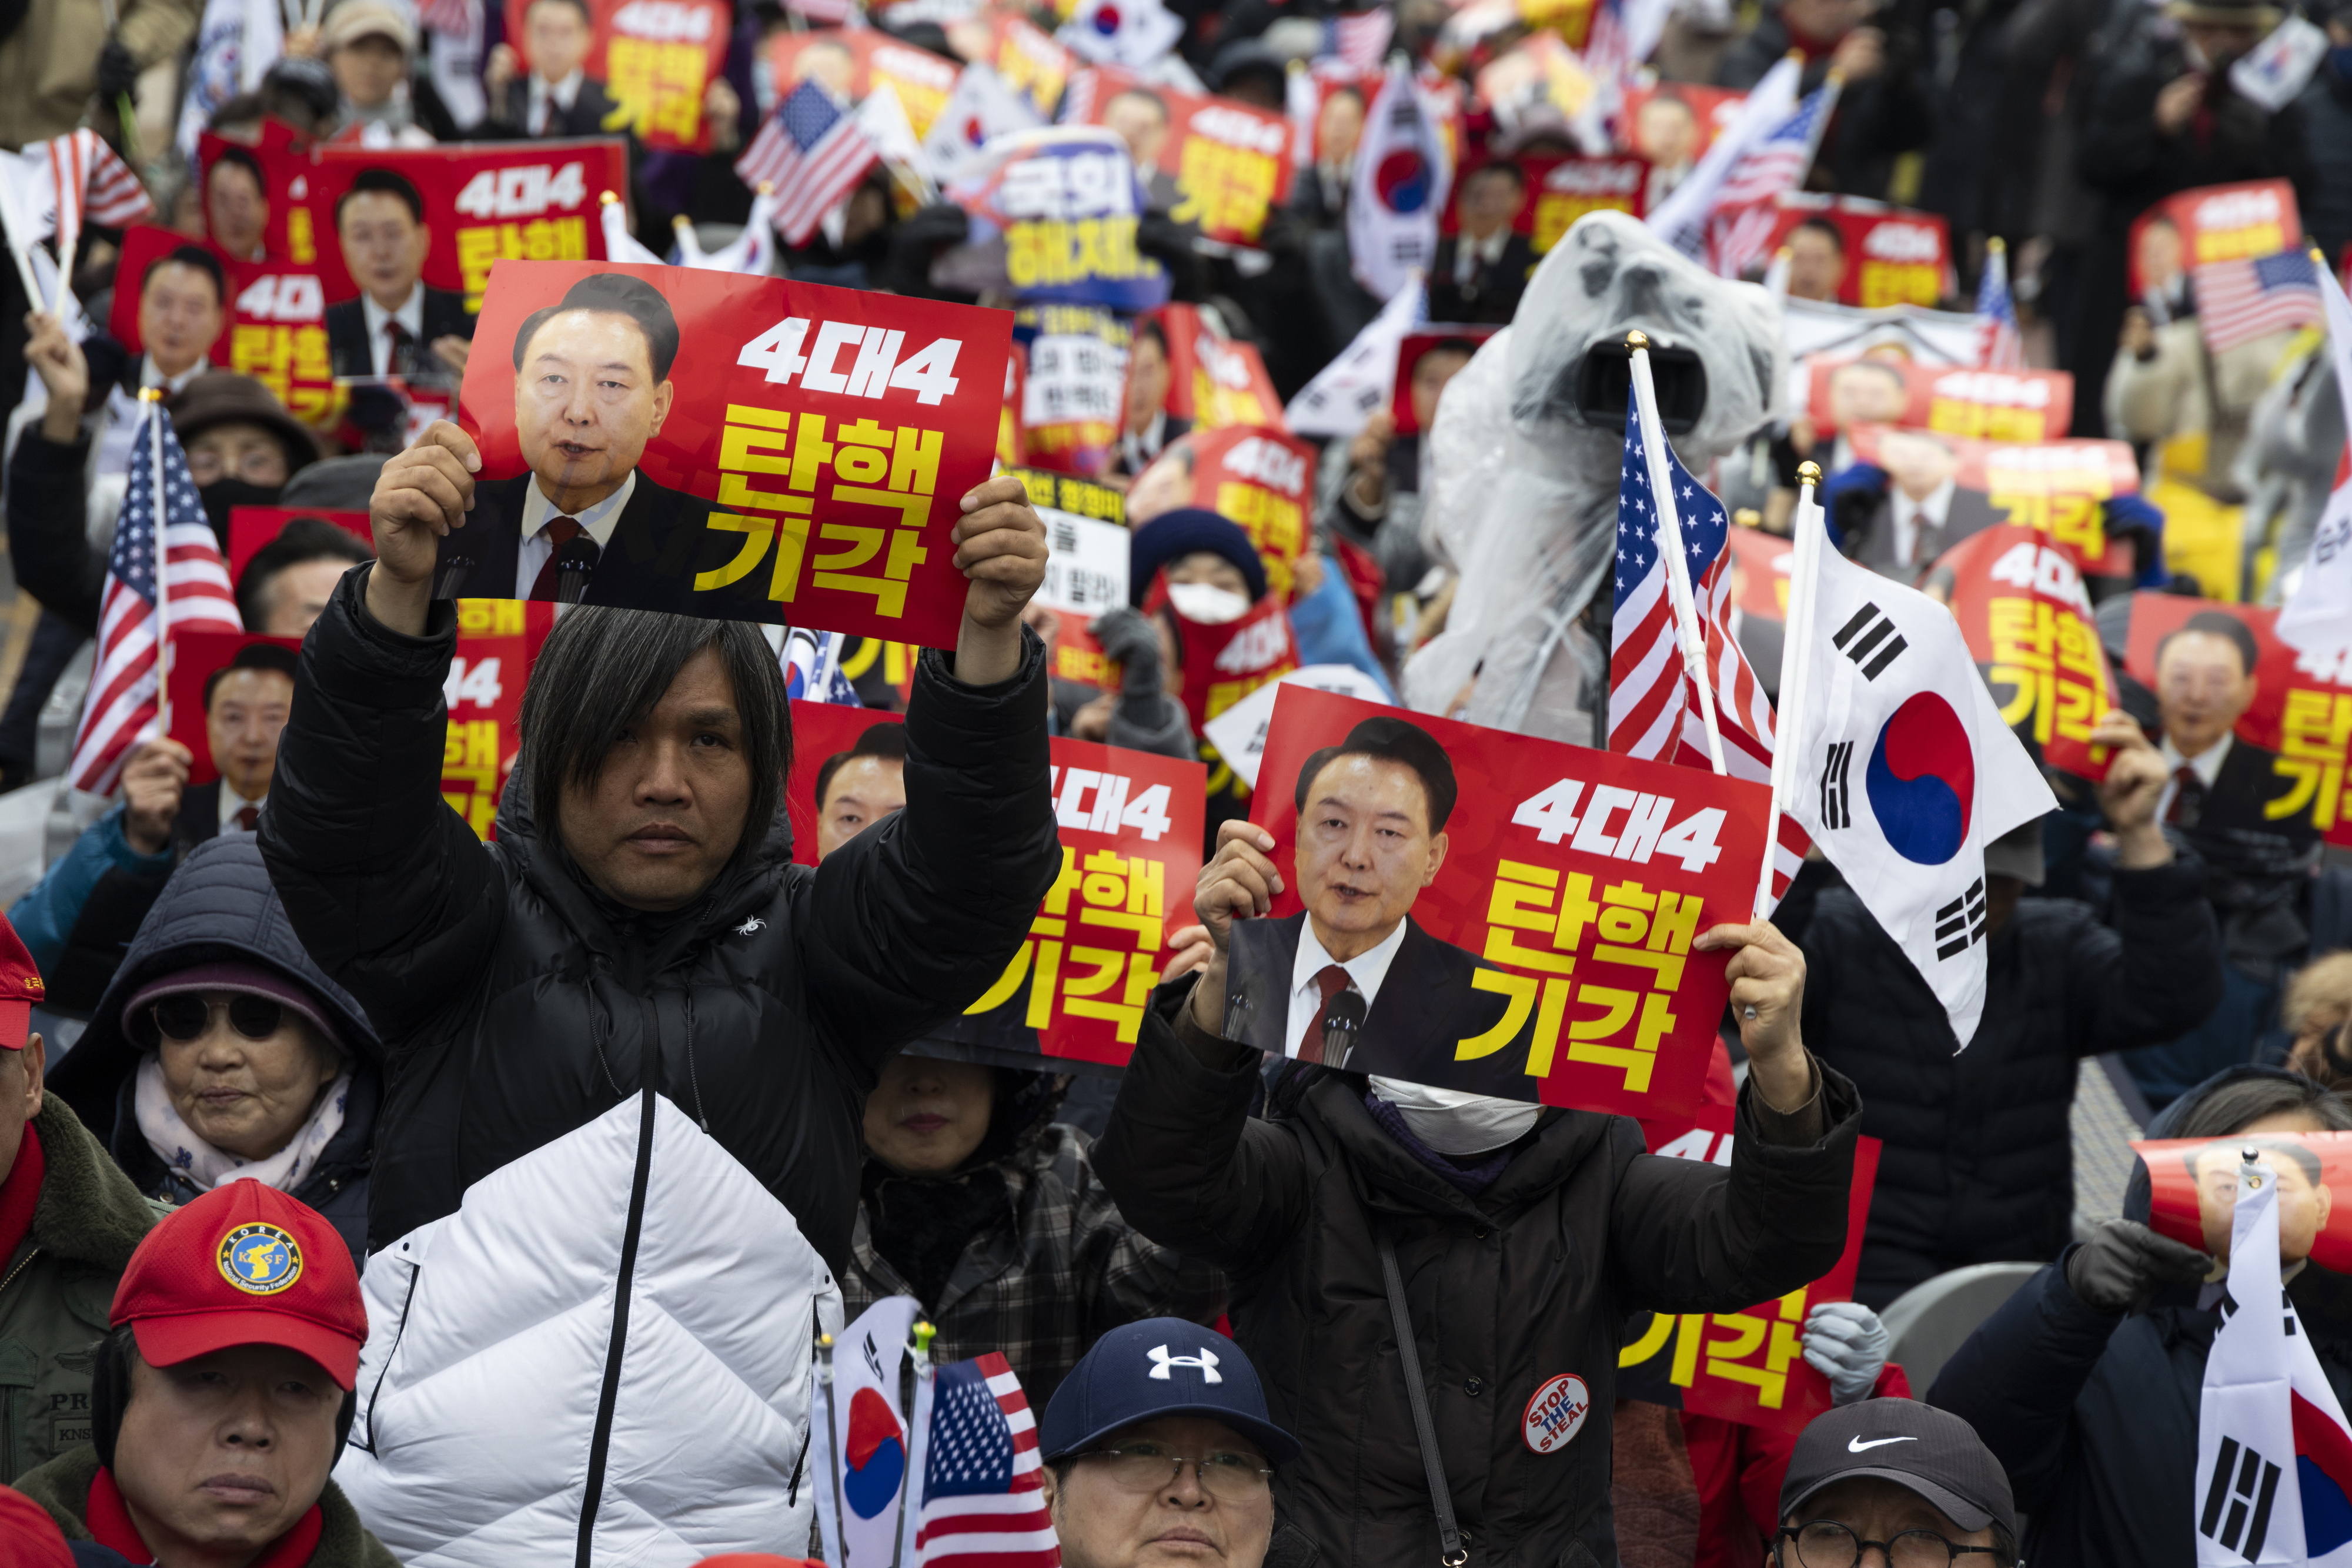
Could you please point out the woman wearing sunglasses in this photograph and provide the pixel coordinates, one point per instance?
(221, 1052)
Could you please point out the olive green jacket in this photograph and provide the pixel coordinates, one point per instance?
(62, 1486)
(48, 66)
(56, 1289)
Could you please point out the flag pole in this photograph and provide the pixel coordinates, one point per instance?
(153, 398)
(827, 1496)
(918, 1445)
(1796, 668)
(1670, 541)
(20, 247)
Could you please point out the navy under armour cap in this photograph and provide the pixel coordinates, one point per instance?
(1922, 1449)
(1161, 1366)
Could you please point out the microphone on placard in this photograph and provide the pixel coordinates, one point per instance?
(576, 563)
(1343, 1020)
(449, 576)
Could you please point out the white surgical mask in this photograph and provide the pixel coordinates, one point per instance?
(1207, 603)
(1453, 1122)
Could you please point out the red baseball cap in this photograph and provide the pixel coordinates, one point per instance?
(29, 1538)
(245, 1264)
(20, 988)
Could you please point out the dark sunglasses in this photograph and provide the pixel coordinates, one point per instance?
(188, 1017)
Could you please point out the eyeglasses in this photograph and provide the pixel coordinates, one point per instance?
(189, 1017)
(1147, 1467)
(1826, 1543)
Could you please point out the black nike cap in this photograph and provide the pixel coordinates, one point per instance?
(1932, 1452)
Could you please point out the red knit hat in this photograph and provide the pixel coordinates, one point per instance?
(245, 1264)
(20, 989)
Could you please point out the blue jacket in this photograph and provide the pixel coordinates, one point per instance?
(45, 915)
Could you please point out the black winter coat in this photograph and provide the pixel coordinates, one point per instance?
(218, 907)
(1978, 1165)
(1534, 1278)
(517, 1004)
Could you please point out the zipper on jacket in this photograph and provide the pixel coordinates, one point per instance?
(21, 1264)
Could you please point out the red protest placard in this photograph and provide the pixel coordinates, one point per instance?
(2019, 597)
(655, 58)
(1747, 1366)
(274, 327)
(1562, 190)
(850, 65)
(1265, 480)
(1981, 405)
(1673, 123)
(2193, 1191)
(1762, 565)
(1131, 827)
(1219, 164)
(250, 528)
(1213, 380)
(2294, 717)
(1073, 380)
(1543, 949)
(1028, 60)
(484, 203)
(799, 459)
(1415, 401)
(233, 727)
(2056, 487)
(2212, 223)
(1893, 256)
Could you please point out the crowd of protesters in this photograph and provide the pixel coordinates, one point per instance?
(264, 1037)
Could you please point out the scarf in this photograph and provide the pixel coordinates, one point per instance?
(20, 1195)
(109, 1519)
(205, 1167)
(1472, 1175)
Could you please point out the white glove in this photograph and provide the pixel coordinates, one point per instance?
(1845, 1342)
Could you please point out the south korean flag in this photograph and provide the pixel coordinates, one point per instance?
(1904, 771)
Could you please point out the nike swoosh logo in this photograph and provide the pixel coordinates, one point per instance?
(1855, 1445)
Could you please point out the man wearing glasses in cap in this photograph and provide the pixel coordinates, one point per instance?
(1911, 1485)
(1158, 1449)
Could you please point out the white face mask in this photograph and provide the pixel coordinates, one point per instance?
(1453, 1122)
(1207, 603)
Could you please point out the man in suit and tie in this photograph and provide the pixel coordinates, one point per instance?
(1479, 274)
(1353, 981)
(556, 97)
(397, 327)
(582, 525)
(1919, 513)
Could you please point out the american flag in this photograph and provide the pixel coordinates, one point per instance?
(982, 1504)
(1745, 205)
(78, 180)
(1359, 38)
(2000, 345)
(1652, 710)
(813, 154)
(2238, 301)
(122, 708)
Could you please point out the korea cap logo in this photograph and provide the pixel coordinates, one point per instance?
(1206, 1362)
(260, 1260)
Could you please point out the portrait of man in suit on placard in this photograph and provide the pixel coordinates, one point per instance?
(1353, 980)
(397, 326)
(1922, 512)
(583, 525)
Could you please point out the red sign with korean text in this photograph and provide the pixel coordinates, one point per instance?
(250, 528)
(1409, 356)
(1894, 255)
(1027, 60)
(1685, 125)
(275, 326)
(1131, 824)
(193, 660)
(2212, 223)
(2193, 1191)
(850, 65)
(656, 59)
(2056, 487)
(1228, 164)
(1762, 565)
(2018, 595)
(1265, 480)
(484, 203)
(1550, 954)
(802, 460)
(2298, 715)
(1749, 1366)
(1215, 381)
(1977, 405)
(1558, 189)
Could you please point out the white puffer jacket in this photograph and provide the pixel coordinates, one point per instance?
(487, 1361)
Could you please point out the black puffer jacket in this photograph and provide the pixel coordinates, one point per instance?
(517, 1003)
(1532, 1279)
(219, 907)
(1978, 1166)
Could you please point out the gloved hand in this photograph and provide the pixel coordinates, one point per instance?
(1845, 1342)
(118, 73)
(1128, 640)
(2123, 1261)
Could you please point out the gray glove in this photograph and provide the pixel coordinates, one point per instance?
(1129, 641)
(1845, 1342)
(2123, 1261)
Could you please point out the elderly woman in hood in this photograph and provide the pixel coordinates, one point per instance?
(221, 1052)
